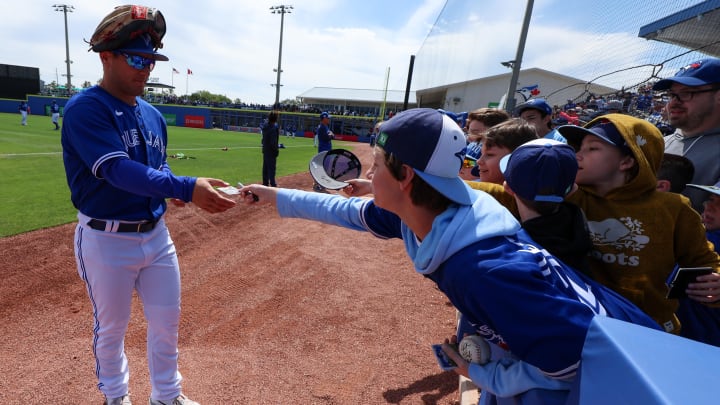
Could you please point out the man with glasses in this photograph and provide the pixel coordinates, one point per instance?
(115, 155)
(693, 108)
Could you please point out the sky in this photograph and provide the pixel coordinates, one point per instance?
(231, 46)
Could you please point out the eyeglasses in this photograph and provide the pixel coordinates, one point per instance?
(469, 162)
(687, 95)
(138, 62)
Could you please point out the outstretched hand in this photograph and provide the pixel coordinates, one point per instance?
(357, 187)
(255, 193)
(208, 198)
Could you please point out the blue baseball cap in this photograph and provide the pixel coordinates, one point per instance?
(324, 114)
(143, 46)
(434, 146)
(541, 170)
(536, 104)
(699, 73)
(603, 130)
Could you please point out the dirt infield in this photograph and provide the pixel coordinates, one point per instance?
(275, 311)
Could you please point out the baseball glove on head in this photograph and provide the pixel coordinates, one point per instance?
(126, 23)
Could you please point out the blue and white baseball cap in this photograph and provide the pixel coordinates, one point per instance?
(538, 104)
(710, 189)
(541, 170)
(699, 73)
(324, 114)
(433, 145)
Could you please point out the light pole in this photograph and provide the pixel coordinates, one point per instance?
(282, 10)
(516, 64)
(65, 9)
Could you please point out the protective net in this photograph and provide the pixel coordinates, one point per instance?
(595, 42)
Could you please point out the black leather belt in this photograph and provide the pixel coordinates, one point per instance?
(100, 225)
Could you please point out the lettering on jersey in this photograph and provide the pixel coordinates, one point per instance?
(131, 139)
(550, 267)
(156, 142)
(490, 335)
(623, 234)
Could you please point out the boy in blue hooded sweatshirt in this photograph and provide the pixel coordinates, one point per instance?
(520, 298)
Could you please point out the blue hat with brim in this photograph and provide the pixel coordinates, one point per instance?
(143, 46)
(541, 170)
(699, 73)
(605, 131)
(433, 145)
(538, 104)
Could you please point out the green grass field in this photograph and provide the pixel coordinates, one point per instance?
(34, 192)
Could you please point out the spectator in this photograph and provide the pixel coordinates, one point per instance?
(500, 140)
(570, 105)
(638, 234)
(699, 322)
(477, 124)
(474, 251)
(539, 174)
(538, 113)
(693, 108)
(675, 173)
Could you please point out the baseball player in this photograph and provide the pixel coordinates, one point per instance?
(23, 109)
(55, 113)
(114, 151)
(323, 137)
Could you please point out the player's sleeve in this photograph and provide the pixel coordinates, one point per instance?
(359, 214)
(139, 179)
(509, 377)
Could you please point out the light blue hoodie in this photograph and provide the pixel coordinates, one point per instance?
(518, 297)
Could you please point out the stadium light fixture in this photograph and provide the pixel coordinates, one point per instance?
(66, 9)
(282, 10)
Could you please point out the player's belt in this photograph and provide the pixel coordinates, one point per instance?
(101, 225)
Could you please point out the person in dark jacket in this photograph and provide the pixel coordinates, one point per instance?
(270, 149)
(539, 174)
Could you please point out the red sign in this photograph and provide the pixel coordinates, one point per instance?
(195, 121)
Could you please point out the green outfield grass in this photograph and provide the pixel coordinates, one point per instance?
(34, 192)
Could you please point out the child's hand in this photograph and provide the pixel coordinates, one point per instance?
(705, 289)
(449, 347)
(357, 187)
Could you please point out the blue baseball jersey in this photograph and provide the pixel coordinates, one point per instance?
(515, 294)
(54, 108)
(324, 139)
(102, 136)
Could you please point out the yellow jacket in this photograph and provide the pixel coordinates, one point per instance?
(639, 234)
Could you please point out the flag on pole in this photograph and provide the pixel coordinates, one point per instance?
(189, 72)
(175, 70)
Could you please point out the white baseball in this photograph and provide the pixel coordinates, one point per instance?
(474, 349)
